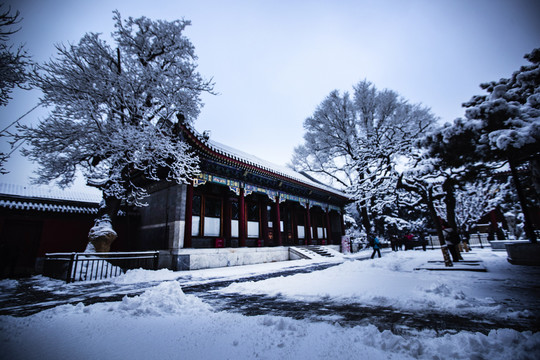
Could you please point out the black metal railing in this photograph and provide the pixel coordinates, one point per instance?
(96, 266)
(476, 240)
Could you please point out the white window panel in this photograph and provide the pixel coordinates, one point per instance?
(320, 233)
(301, 232)
(195, 222)
(253, 229)
(212, 226)
(234, 228)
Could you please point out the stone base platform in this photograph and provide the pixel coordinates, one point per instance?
(523, 254)
(195, 259)
(500, 245)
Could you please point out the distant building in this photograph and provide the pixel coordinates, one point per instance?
(37, 220)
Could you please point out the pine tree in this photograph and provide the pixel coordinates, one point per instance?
(502, 126)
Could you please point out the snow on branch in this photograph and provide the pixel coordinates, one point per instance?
(109, 104)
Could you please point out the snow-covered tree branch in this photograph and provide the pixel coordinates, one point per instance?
(14, 68)
(474, 200)
(502, 126)
(358, 143)
(114, 109)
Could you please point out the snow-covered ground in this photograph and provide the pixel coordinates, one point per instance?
(165, 323)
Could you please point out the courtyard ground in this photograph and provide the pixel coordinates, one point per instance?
(346, 307)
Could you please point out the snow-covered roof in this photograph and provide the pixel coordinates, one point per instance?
(25, 197)
(38, 206)
(40, 192)
(254, 161)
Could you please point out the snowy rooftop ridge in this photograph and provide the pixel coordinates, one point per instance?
(268, 166)
(34, 205)
(252, 160)
(49, 193)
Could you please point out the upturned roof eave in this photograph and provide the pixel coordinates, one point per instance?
(220, 154)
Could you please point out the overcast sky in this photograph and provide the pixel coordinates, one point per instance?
(273, 62)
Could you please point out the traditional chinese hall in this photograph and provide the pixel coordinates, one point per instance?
(239, 210)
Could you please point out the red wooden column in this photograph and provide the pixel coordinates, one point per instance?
(242, 219)
(189, 212)
(328, 228)
(308, 226)
(277, 224)
(227, 221)
(264, 223)
(315, 236)
(293, 213)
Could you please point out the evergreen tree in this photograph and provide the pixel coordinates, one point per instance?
(502, 126)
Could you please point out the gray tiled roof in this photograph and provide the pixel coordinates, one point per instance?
(25, 197)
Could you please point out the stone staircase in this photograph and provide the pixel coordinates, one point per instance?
(320, 250)
(310, 251)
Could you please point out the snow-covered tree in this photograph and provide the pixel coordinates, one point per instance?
(421, 185)
(474, 200)
(455, 163)
(358, 143)
(503, 125)
(14, 63)
(114, 110)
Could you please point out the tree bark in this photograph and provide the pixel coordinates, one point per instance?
(365, 220)
(522, 201)
(427, 198)
(450, 202)
(438, 228)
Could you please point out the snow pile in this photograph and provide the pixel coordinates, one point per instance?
(8, 284)
(165, 299)
(140, 275)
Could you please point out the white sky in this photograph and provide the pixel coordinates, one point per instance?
(273, 62)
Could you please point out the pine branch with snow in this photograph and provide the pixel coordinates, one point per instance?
(501, 126)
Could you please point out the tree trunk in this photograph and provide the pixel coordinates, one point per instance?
(534, 164)
(427, 197)
(435, 218)
(450, 202)
(102, 235)
(523, 202)
(365, 219)
(362, 209)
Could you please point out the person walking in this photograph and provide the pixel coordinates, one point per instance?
(393, 242)
(376, 247)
